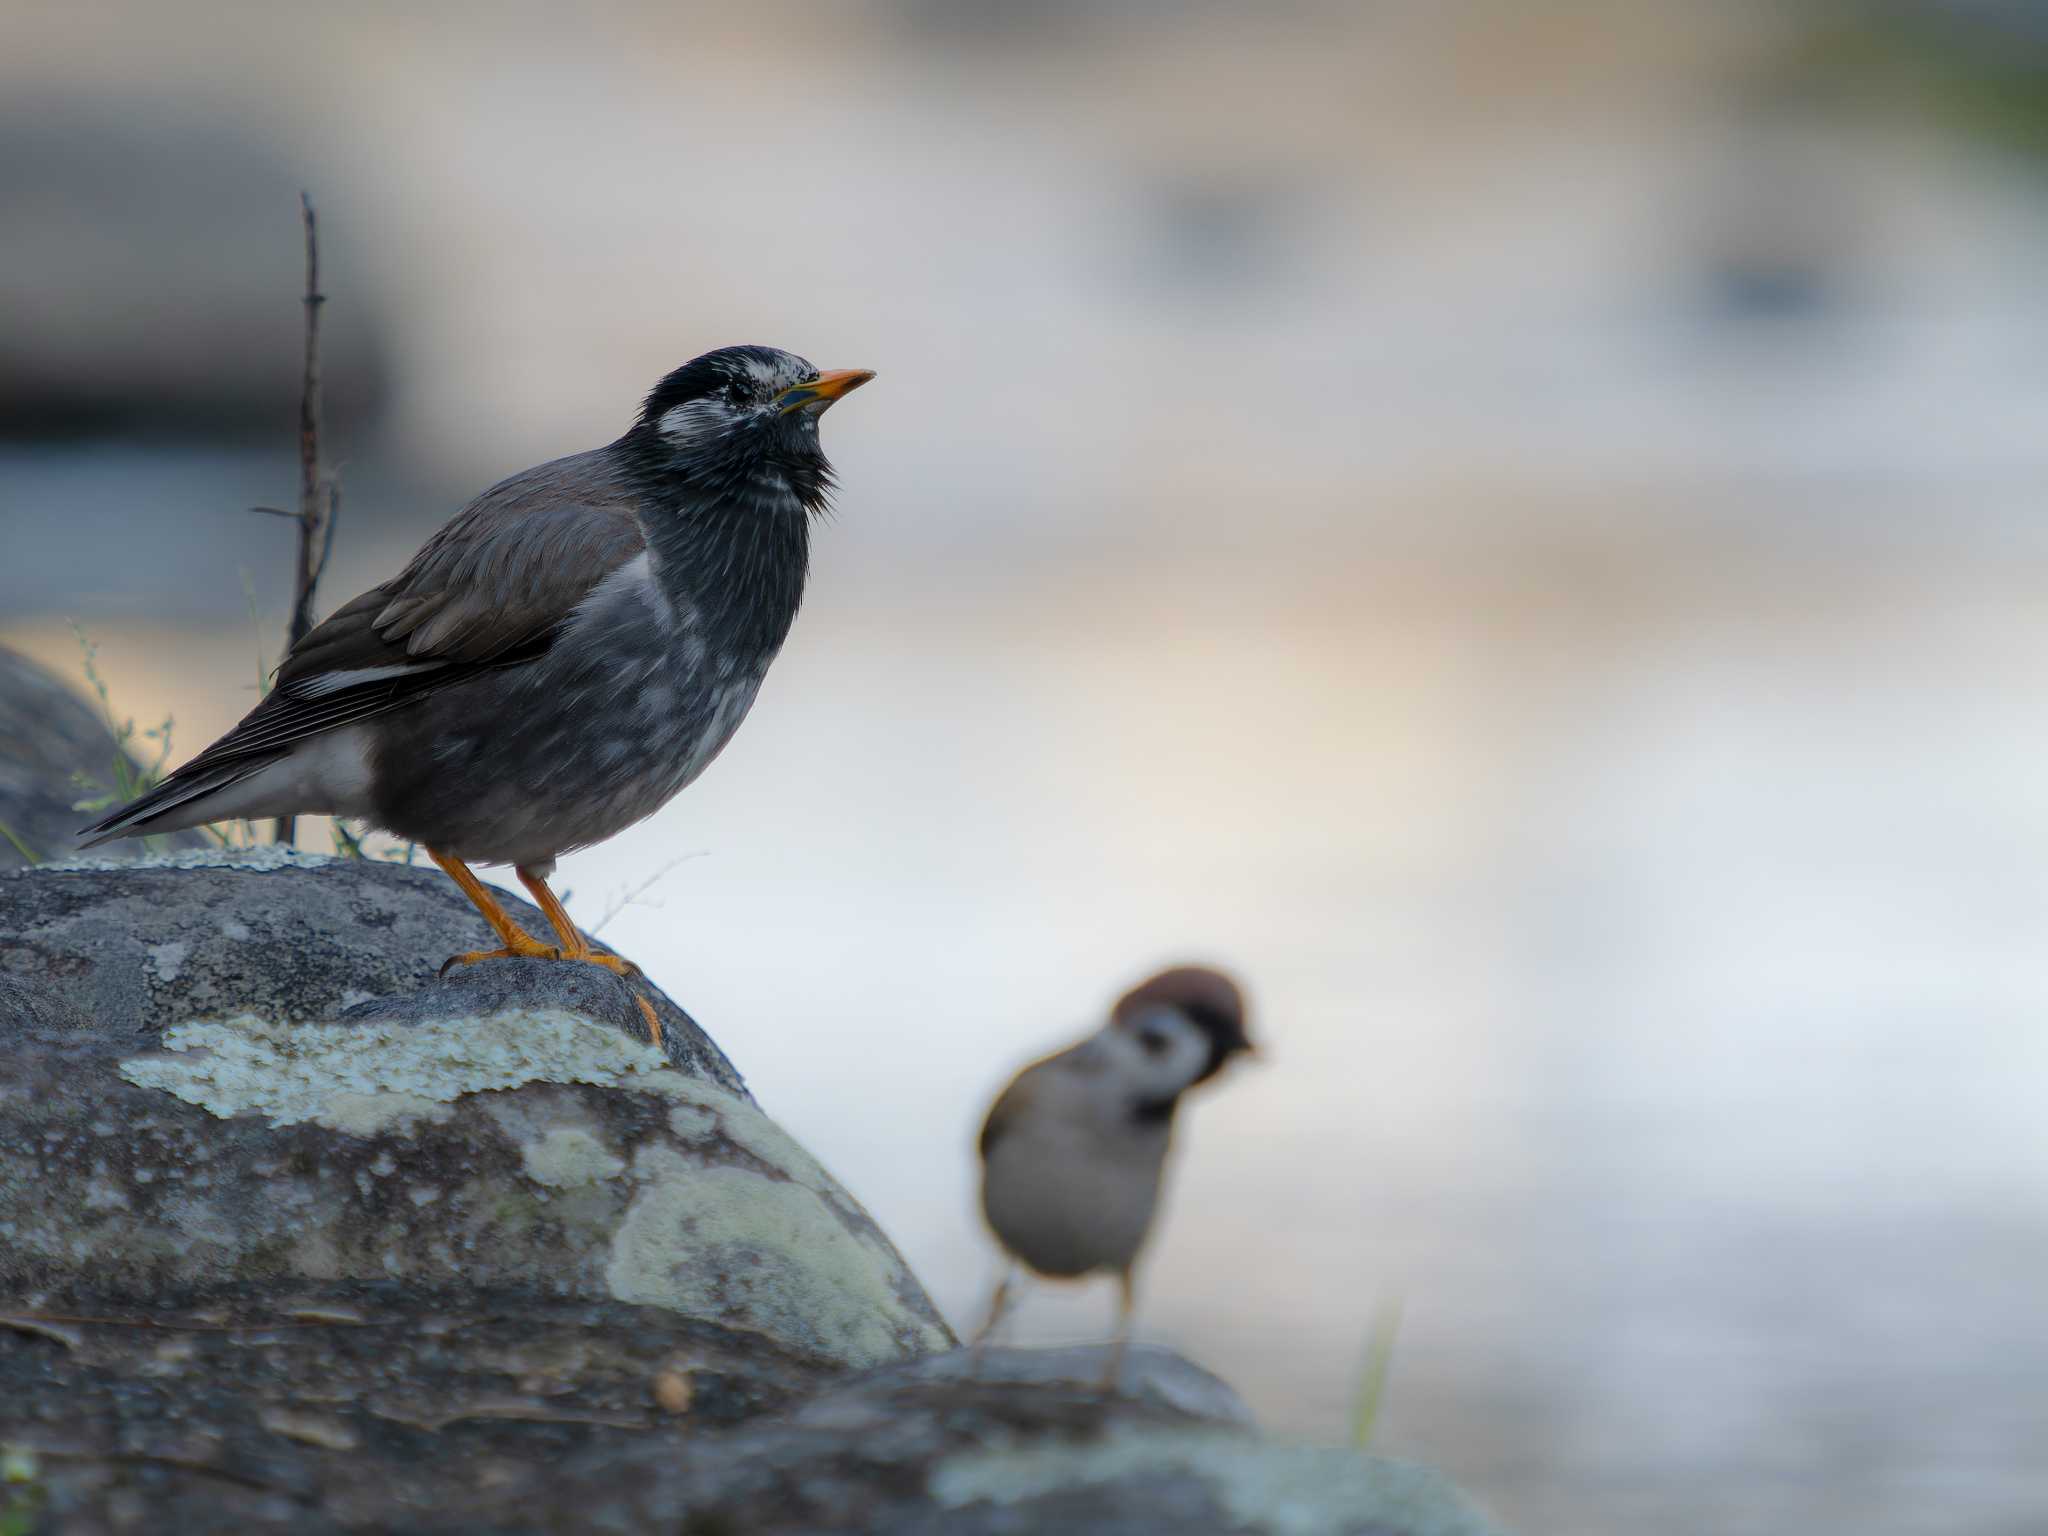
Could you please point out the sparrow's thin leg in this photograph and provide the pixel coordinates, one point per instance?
(574, 945)
(1126, 1304)
(998, 1305)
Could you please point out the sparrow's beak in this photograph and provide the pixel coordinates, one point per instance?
(823, 390)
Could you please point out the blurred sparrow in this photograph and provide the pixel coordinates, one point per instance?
(1074, 1149)
(566, 654)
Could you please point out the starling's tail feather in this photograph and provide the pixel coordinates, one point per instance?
(185, 799)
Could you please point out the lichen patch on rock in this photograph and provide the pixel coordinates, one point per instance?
(262, 857)
(1273, 1489)
(761, 1252)
(166, 960)
(567, 1156)
(365, 1078)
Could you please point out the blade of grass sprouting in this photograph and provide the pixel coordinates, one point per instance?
(123, 731)
(256, 622)
(19, 846)
(1372, 1376)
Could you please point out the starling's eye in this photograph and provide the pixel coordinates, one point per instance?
(735, 396)
(1154, 1041)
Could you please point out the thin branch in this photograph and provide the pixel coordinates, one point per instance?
(633, 895)
(310, 507)
(314, 538)
(327, 527)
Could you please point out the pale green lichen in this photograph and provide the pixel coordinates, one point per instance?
(1279, 1490)
(265, 856)
(367, 1114)
(704, 1110)
(695, 1236)
(566, 1157)
(692, 1122)
(365, 1078)
(732, 1220)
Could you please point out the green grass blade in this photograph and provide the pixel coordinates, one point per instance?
(1372, 1376)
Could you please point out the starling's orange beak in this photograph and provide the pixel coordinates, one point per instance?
(823, 390)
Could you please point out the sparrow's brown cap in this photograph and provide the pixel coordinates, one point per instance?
(1207, 997)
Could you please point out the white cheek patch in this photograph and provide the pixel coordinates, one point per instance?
(695, 421)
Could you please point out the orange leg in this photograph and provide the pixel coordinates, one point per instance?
(517, 942)
(574, 945)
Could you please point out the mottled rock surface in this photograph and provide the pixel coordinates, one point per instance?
(293, 937)
(233, 1109)
(370, 1409)
(48, 735)
(297, 1237)
(285, 1407)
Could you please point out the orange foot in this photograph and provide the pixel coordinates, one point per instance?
(520, 945)
(517, 943)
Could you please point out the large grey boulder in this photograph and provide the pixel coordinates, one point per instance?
(296, 1236)
(270, 1085)
(48, 736)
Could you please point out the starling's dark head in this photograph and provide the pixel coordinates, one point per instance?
(1190, 1019)
(742, 411)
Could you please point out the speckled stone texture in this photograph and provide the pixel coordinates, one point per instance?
(370, 1409)
(220, 1073)
(292, 937)
(296, 1237)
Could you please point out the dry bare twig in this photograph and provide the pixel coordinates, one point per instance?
(632, 896)
(319, 499)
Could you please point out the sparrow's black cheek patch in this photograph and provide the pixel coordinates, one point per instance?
(1154, 1111)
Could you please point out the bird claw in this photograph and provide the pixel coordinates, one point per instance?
(653, 1023)
(617, 965)
(509, 952)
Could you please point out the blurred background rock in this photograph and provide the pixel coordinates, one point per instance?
(1519, 526)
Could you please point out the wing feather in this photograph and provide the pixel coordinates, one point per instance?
(491, 588)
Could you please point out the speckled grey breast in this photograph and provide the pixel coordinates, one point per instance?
(624, 710)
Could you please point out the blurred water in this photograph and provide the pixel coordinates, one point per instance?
(1450, 511)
